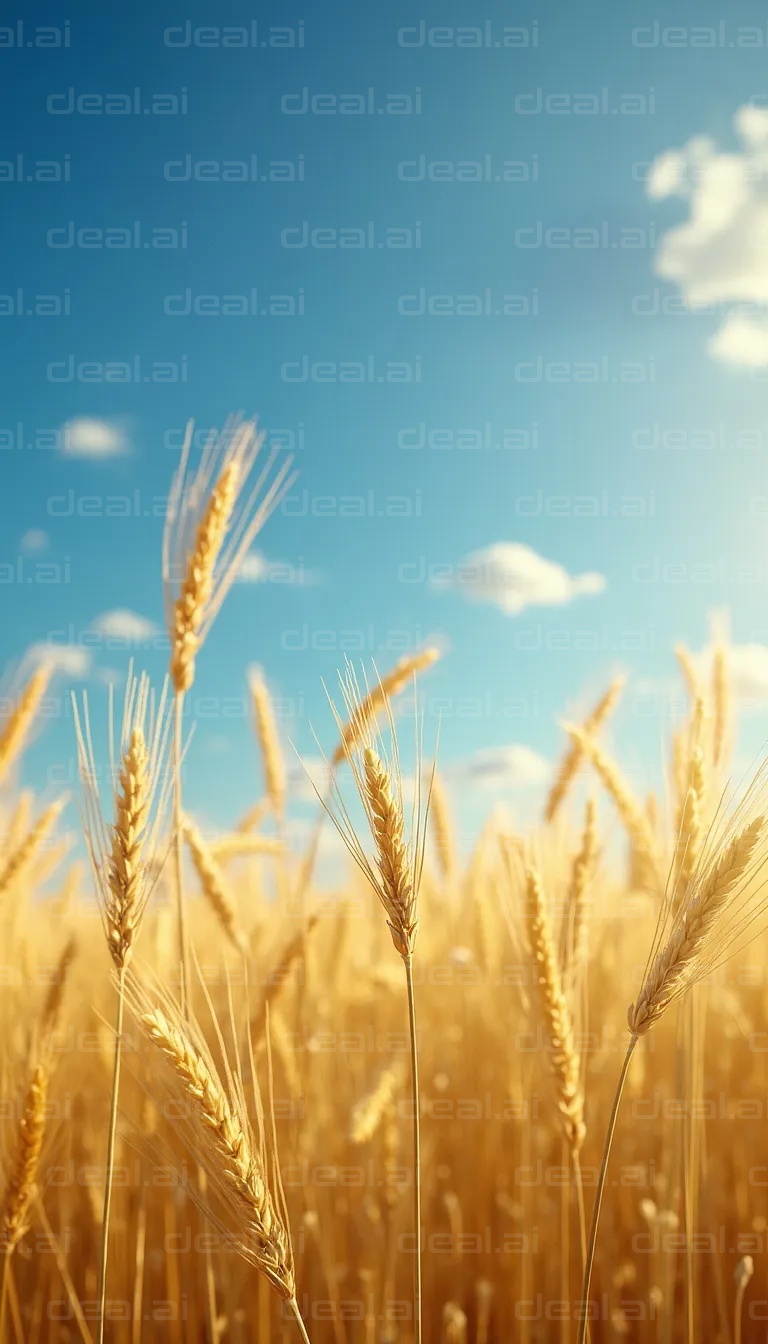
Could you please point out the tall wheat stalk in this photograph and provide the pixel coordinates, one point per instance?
(692, 936)
(218, 1131)
(124, 861)
(20, 1183)
(395, 872)
(16, 727)
(214, 514)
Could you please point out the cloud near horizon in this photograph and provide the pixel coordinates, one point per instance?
(504, 767)
(256, 568)
(720, 254)
(512, 576)
(127, 626)
(87, 437)
(68, 658)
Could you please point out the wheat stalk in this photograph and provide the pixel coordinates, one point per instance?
(683, 956)
(371, 1109)
(572, 760)
(293, 953)
(721, 697)
(19, 721)
(396, 888)
(214, 886)
(55, 996)
(269, 741)
(214, 514)
(575, 923)
(395, 873)
(442, 830)
(20, 1184)
(365, 710)
(690, 672)
(635, 821)
(25, 852)
(219, 1133)
(125, 852)
(563, 1059)
(238, 845)
(692, 936)
(124, 859)
(690, 825)
(213, 517)
(197, 584)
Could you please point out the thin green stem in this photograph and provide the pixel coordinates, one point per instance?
(102, 1292)
(178, 851)
(293, 1304)
(416, 1150)
(600, 1190)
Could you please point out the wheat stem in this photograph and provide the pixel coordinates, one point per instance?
(178, 855)
(601, 1189)
(4, 1288)
(61, 1265)
(18, 723)
(293, 1304)
(408, 961)
(102, 1291)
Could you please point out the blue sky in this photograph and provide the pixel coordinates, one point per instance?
(566, 416)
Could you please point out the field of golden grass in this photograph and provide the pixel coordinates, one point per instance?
(230, 1100)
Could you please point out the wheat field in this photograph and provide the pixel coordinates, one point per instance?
(209, 1128)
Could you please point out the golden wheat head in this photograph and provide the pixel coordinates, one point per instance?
(214, 514)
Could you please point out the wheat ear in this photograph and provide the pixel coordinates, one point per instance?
(635, 821)
(269, 742)
(214, 886)
(293, 952)
(442, 831)
(367, 710)
(721, 697)
(563, 1059)
(19, 722)
(25, 851)
(574, 756)
(20, 1186)
(238, 1164)
(690, 674)
(197, 584)
(690, 812)
(237, 845)
(575, 924)
(55, 996)
(676, 965)
(371, 1109)
(125, 871)
(397, 891)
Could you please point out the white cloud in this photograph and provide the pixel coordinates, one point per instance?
(256, 568)
(33, 541)
(84, 437)
(125, 626)
(253, 568)
(67, 658)
(741, 340)
(500, 767)
(747, 669)
(512, 576)
(720, 254)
